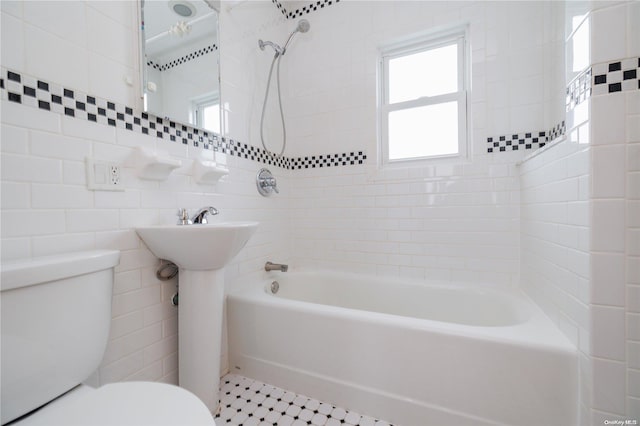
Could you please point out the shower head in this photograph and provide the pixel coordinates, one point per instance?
(302, 27)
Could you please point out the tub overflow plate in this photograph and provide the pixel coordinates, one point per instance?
(275, 287)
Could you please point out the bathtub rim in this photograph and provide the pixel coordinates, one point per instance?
(506, 296)
(537, 332)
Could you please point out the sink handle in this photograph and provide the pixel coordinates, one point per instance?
(183, 217)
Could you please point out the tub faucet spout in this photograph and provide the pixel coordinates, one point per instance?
(270, 266)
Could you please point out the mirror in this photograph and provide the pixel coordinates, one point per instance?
(179, 51)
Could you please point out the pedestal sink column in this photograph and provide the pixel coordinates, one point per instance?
(201, 253)
(200, 333)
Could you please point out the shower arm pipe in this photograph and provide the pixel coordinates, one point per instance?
(275, 47)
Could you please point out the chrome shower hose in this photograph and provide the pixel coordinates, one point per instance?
(276, 58)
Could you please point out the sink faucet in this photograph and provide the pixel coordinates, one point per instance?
(199, 218)
(201, 215)
(270, 266)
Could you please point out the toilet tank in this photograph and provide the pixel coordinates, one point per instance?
(55, 316)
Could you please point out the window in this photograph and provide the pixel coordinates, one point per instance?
(206, 111)
(423, 99)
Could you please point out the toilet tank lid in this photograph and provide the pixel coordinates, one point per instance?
(26, 272)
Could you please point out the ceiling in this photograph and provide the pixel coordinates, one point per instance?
(159, 17)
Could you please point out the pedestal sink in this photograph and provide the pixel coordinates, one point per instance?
(201, 253)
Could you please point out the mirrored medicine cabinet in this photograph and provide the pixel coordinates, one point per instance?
(180, 62)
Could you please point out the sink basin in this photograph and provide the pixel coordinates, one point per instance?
(198, 247)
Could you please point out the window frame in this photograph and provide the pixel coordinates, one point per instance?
(457, 35)
(198, 105)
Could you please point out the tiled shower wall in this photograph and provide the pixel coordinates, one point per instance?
(452, 221)
(615, 255)
(330, 75)
(554, 232)
(632, 253)
(46, 207)
(579, 215)
(615, 213)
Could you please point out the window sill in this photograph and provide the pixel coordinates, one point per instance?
(419, 170)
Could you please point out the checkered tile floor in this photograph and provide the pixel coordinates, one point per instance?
(248, 402)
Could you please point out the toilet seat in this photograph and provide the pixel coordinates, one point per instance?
(123, 404)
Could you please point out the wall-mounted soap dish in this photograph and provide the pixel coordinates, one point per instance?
(154, 165)
(207, 171)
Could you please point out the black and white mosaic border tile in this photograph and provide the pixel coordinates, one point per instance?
(617, 76)
(522, 141)
(36, 93)
(184, 59)
(311, 7)
(247, 402)
(623, 75)
(579, 89)
(250, 152)
(556, 131)
(30, 91)
(601, 79)
(328, 160)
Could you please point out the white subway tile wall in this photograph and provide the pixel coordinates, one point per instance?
(589, 283)
(441, 221)
(330, 85)
(47, 209)
(554, 240)
(44, 214)
(614, 236)
(562, 224)
(615, 299)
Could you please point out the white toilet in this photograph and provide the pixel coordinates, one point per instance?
(56, 314)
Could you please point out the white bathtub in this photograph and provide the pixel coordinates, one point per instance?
(411, 354)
